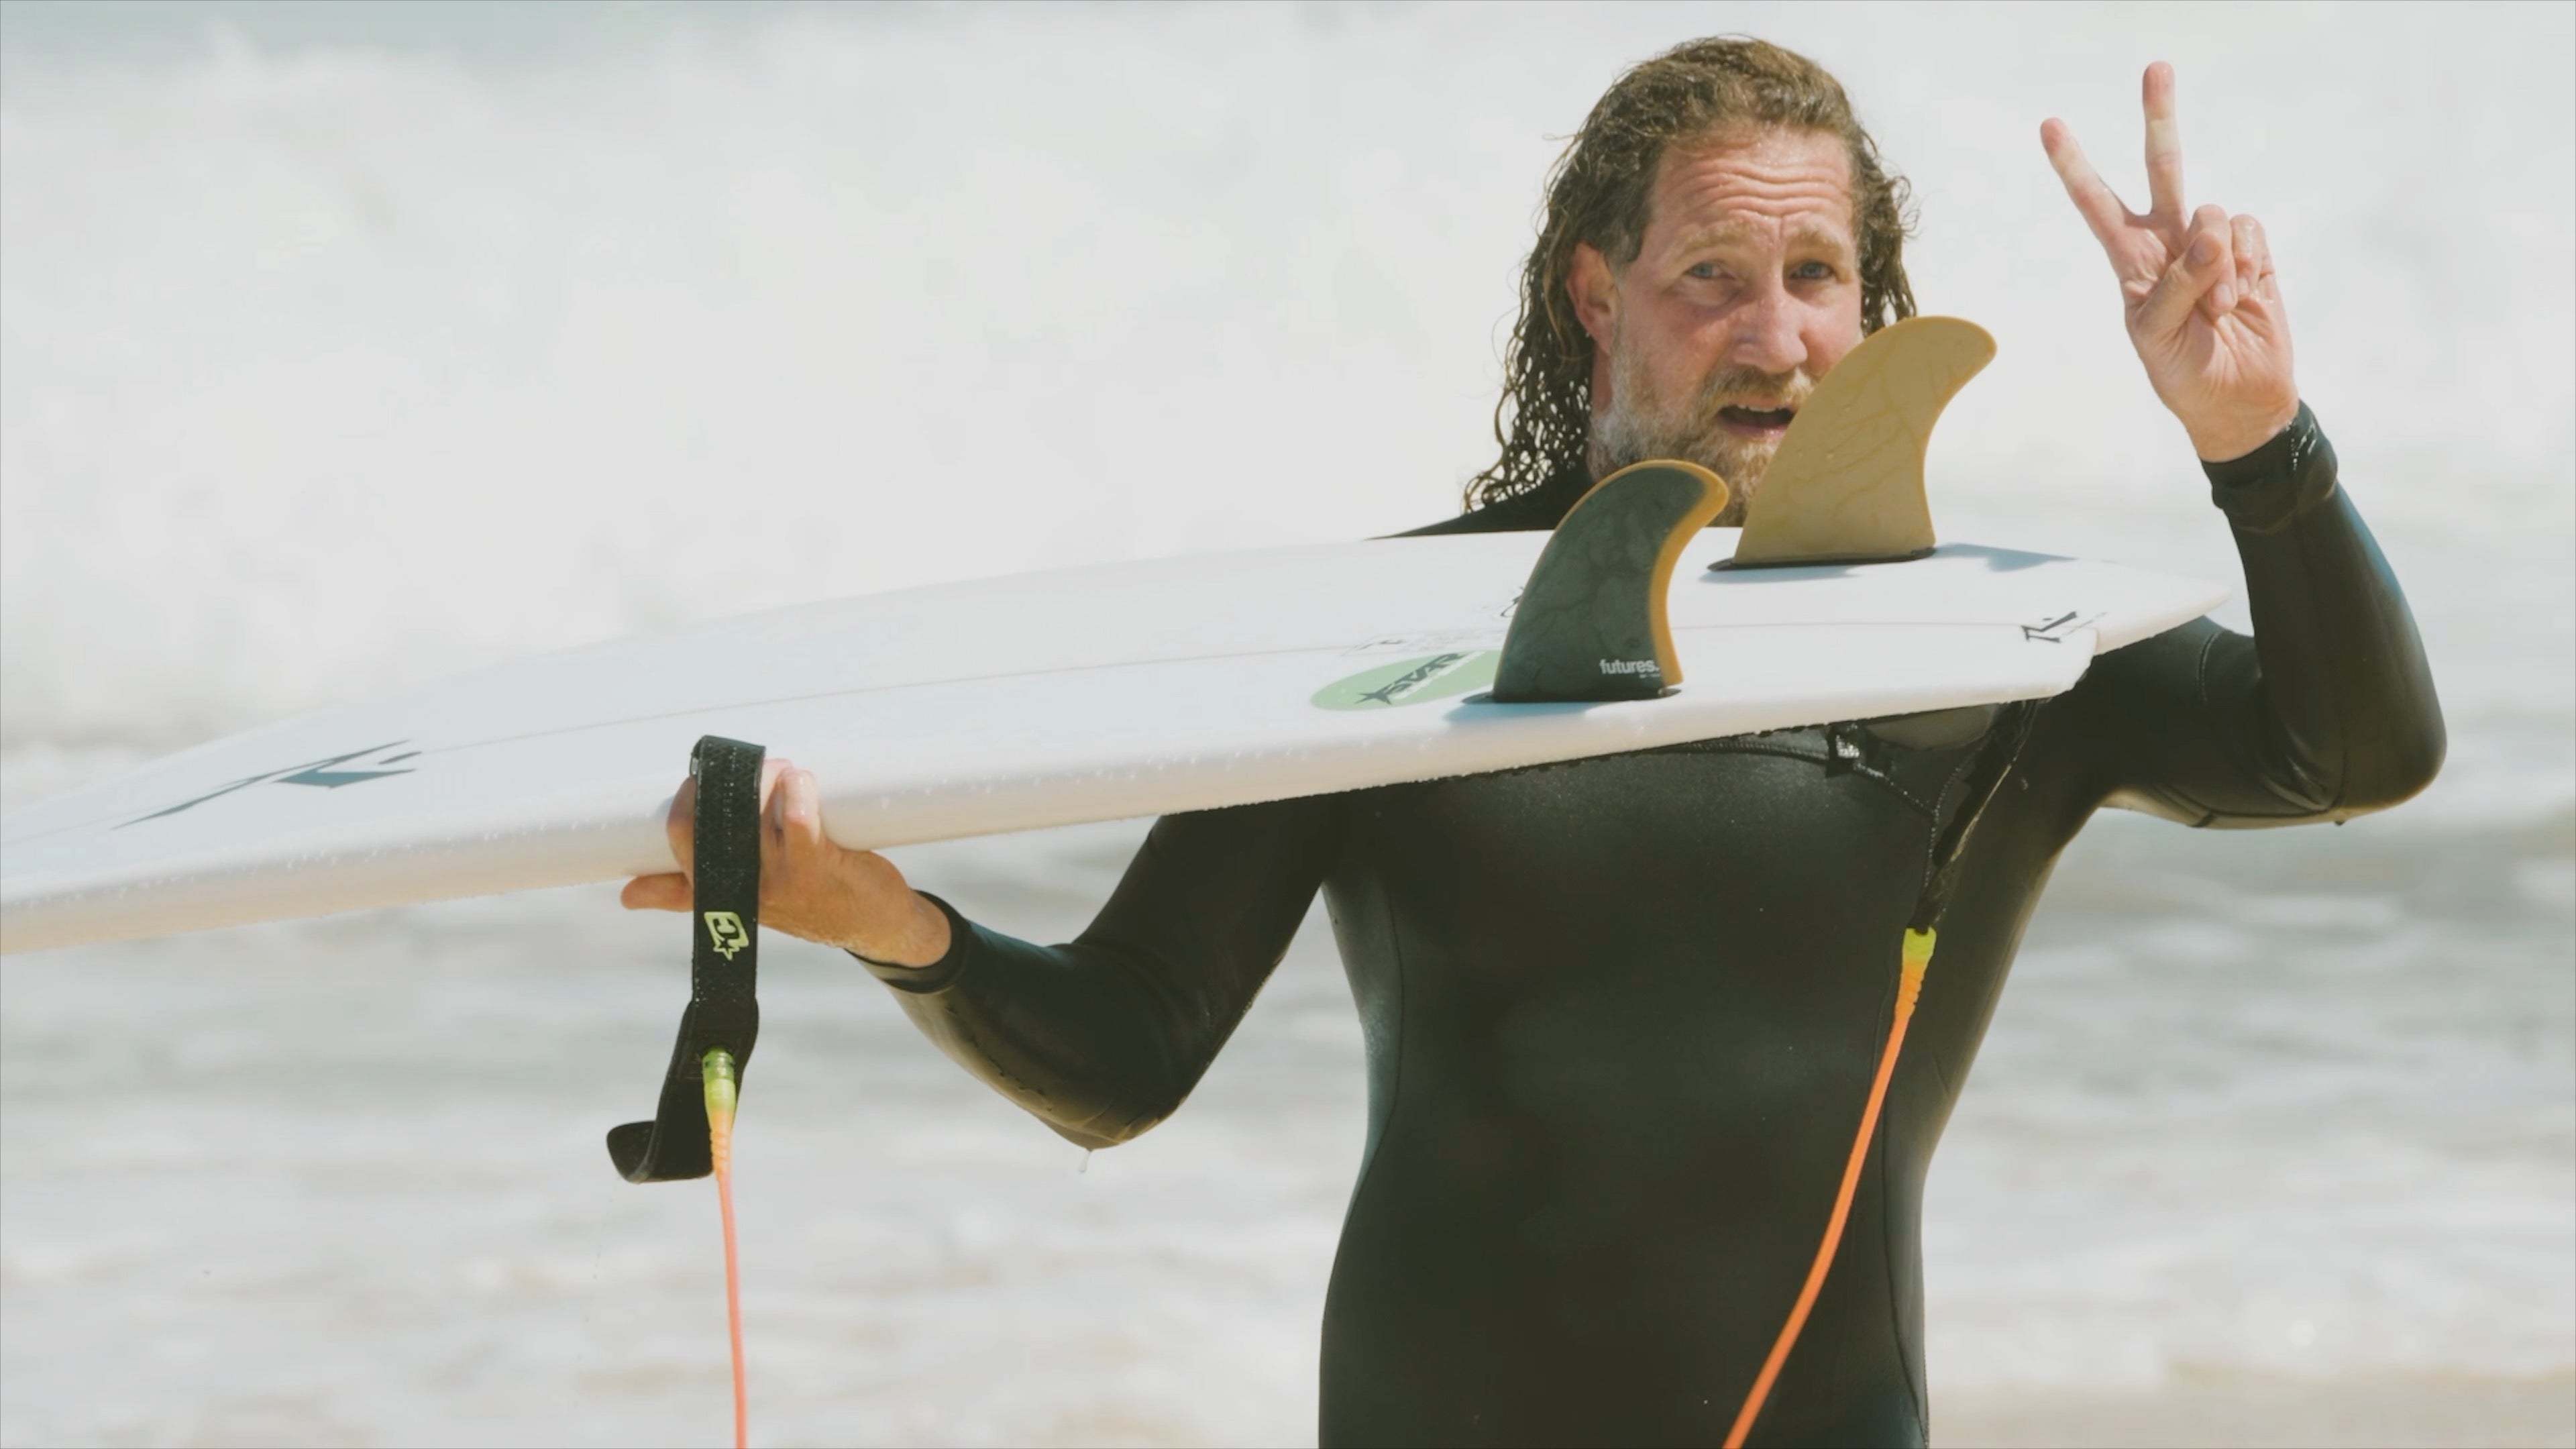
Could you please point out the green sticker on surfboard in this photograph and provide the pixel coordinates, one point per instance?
(1412, 681)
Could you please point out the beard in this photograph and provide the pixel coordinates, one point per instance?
(1643, 424)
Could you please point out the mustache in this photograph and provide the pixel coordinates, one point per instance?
(1640, 425)
(1749, 387)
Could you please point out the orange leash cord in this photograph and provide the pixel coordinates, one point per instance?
(722, 1092)
(1909, 987)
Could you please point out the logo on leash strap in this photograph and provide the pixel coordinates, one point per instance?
(727, 933)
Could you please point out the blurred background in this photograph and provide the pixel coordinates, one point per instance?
(346, 346)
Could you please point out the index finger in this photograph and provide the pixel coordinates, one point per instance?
(2164, 145)
(2097, 203)
(681, 824)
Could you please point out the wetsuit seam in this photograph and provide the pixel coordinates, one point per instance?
(1883, 1149)
(1395, 1072)
(2200, 673)
(2318, 803)
(1783, 752)
(1886, 1150)
(1930, 812)
(2208, 710)
(1880, 1148)
(1932, 837)
(2332, 799)
(1878, 1153)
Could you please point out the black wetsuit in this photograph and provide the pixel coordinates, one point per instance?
(1622, 1013)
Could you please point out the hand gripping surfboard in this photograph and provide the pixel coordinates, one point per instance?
(1121, 690)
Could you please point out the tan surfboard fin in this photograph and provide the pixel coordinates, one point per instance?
(1847, 483)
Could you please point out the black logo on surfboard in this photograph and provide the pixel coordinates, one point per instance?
(2056, 630)
(353, 768)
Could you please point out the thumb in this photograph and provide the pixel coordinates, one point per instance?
(656, 893)
(2205, 263)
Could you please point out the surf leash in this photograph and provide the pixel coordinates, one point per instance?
(723, 1083)
(691, 1134)
(1993, 765)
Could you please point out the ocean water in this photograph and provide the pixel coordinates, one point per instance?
(345, 347)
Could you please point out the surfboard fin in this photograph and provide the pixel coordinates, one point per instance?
(1847, 483)
(1590, 624)
(724, 961)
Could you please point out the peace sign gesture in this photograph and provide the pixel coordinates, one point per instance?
(2203, 308)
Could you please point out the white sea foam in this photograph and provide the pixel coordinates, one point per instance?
(340, 349)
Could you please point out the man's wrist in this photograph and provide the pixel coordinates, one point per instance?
(940, 974)
(2227, 442)
(2277, 483)
(924, 940)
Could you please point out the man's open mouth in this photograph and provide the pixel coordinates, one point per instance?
(1756, 420)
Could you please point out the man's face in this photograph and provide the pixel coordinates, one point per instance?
(1745, 291)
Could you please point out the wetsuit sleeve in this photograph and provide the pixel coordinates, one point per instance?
(1103, 1037)
(2326, 713)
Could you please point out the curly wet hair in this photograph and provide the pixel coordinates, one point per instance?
(1598, 192)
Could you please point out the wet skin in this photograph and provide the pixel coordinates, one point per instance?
(1749, 261)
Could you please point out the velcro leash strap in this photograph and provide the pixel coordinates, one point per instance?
(724, 962)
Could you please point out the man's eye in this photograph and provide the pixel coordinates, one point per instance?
(1812, 272)
(1705, 271)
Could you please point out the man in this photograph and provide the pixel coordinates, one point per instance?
(1622, 1013)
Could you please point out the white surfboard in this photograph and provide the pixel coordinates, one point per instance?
(1140, 689)
(1014, 703)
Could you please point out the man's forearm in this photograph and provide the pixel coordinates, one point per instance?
(2344, 698)
(1103, 1037)
(1076, 1035)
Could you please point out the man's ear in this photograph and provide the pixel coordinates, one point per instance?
(1595, 294)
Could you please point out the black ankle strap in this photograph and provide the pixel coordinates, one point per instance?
(724, 965)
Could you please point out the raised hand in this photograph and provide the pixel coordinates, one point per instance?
(809, 887)
(2203, 307)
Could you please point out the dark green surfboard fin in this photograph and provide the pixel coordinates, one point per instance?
(724, 967)
(1590, 625)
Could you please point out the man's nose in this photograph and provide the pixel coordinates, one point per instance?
(1767, 334)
